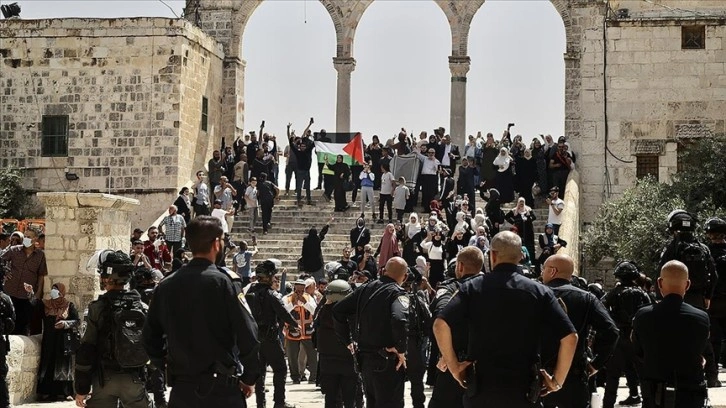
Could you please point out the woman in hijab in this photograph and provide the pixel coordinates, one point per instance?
(549, 243)
(493, 211)
(522, 217)
(458, 241)
(526, 175)
(434, 247)
(312, 253)
(487, 171)
(504, 179)
(341, 174)
(183, 205)
(461, 223)
(60, 339)
(413, 235)
(388, 248)
(539, 153)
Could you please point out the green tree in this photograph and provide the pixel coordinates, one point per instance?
(701, 181)
(632, 226)
(13, 197)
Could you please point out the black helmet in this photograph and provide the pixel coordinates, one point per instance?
(451, 269)
(715, 225)
(337, 290)
(626, 271)
(114, 265)
(340, 274)
(681, 220)
(266, 269)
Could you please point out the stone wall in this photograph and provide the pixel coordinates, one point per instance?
(657, 93)
(132, 89)
(23, 361)
(570, 227)
(76, 226)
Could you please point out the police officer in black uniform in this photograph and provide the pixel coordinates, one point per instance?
(211, 358)
(268, 311)
(419, 318)
(447, 393)
(337, 375)
(715, 229)
(503, 370)
(97, 359)
(381, 309)
(671, 338)
(7, 324)
(586, 312)
(622, 303)
(686, 248)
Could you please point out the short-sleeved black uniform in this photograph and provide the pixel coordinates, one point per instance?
(671, 338)
(211, 336)
(506, 314)
(447, 393)
(382, 310)
(585, 312)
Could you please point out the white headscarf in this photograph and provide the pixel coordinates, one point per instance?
(524, 210)
(502, 161)
(413, 228)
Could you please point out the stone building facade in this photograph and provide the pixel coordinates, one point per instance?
(642, 78)
(128, 95)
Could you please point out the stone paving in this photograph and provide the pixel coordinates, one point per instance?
(307, 396)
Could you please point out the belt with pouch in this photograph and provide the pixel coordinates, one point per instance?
(230, 380)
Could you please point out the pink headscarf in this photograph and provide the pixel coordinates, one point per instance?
(389, 246)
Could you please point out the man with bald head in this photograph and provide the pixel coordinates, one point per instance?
(379, 311)
(586, 312)
(507, 315)
(671, 338)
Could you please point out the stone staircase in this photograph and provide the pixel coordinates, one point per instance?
(290, 224)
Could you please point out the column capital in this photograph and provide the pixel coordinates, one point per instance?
(459, 66)
(344, 65)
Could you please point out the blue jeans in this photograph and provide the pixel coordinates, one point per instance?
(302, 177)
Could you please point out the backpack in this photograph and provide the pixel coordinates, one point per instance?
(696, 257)
(625, 303)
(126, 317)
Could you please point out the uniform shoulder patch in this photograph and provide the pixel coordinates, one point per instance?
(243, 301)
(404, 300)
(441, 292)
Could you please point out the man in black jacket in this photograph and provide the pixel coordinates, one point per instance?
(338, 375)
(586, 312)
(303, 150)
(360, 236)
(221, 352)
(671, 338)
(381, 309)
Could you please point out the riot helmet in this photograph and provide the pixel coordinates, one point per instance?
(337, 290)
(112, 265)
(715, 225)
(340, 274)
(626, 271)
(265, 271)
(451, 269)
(681, 220)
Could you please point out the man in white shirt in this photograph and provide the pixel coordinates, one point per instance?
(429, 181)
(556, 206)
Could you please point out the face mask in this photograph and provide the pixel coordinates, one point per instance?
(54, 293)
(27, 242)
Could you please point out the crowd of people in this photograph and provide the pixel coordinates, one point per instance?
(419, 303)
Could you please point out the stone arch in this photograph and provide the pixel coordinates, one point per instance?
(345, 16)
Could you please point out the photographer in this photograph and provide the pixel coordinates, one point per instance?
(560, 165)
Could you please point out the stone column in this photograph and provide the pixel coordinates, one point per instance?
(459, 66)
(344, 66)
(233, 104)
(76, 226)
